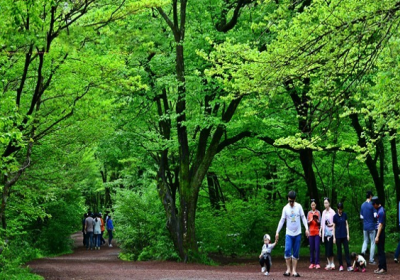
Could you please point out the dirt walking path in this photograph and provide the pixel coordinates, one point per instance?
(105, 265)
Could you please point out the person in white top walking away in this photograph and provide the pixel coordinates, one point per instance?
(265, 256)
(292, 213)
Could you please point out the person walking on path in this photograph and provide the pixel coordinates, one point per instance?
(292, 213)
(314, 221)
(89, 227)
(83, 228)
(103, 228)
(97, 232)
(326, 233)
(341, 236)
(367, 214)
(380, 235)
(110, 229)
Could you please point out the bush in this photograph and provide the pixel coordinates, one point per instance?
(140, 226)
(54, 234)
(237, 230)
(14, 254)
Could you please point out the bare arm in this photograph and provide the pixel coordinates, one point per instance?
(379, 232)
(334, 233)
(280, 225)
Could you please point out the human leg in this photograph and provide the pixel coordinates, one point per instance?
(339, 242)
(262, 263)
(397, 252)
(329, 252)
(381, 251)
(311, 239)
(372, 235)
(296, 253)
(87, 240)
(268, 263)
(317, 244)
(110, 237)
(288, 253)
(365, 242)
(103, 241)
(346, 252)
(90, 241)
(288, 267)
(95, 240)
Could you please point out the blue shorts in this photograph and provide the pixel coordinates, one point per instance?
(292, 247)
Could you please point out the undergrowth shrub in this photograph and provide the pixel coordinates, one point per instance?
(237, 228)
(140, 226)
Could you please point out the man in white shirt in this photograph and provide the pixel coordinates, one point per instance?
(291, 214)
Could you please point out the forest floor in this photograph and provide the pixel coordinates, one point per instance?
(105, 265)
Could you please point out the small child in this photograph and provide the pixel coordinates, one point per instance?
(359, 262)
(265, 256)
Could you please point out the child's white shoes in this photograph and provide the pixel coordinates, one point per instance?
(266, 273)
(263, 269)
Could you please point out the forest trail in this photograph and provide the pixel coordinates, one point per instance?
(105, 265)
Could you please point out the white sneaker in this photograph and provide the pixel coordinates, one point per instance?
(266, 273)
(110, 245)
(263, 269)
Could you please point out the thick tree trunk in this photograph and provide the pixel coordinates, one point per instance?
(306, 159)
(188, 217)
(173, 222)
(396, 171)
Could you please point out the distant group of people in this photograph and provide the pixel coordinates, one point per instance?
(331, 228)
(93, 227)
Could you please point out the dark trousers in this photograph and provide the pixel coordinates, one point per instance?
(266, 260)
(84, 238)
(397, 253)
(89, 240)
(110, 236)
(359, 266)
(314, 249)
(103, 241)
(339, 242)
(329, 246)
(381, 251)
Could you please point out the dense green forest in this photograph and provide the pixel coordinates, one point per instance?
(191, 120)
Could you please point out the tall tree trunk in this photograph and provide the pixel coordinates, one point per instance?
(4, 197)
(187, 178)
(9, 181)
(370, 162)
(306, 159)
(396, 171)
(173, 223)
(302, 103)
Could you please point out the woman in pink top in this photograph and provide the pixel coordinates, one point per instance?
(326, 233)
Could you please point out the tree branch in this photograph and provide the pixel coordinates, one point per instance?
(168, 21)
(233, 140)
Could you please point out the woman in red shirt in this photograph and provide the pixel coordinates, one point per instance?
(314, 220)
